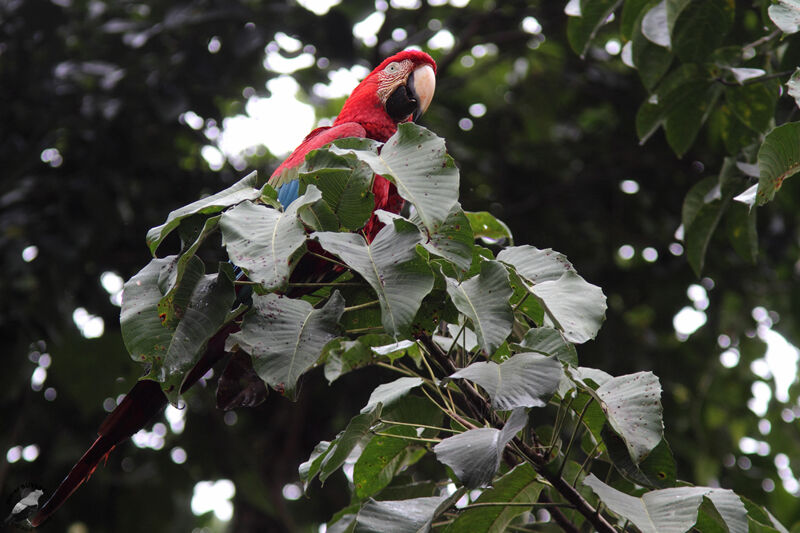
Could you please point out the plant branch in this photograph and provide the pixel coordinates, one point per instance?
(539, 461)
(361, 306)
(518, 504)
(574, 434)
(326, 258)
(420, 439)
(763, 40)
(396, 423)
(332, 284)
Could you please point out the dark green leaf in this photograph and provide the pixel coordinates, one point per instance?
(520, 485)
(650, 59)
(672, 510)
(245, 189)
(454, 239)
(701, 28)
(484, 299)
(524, 380)
(575, 307)
(488, 228)
(594, 14)
(309, 469)
(658, 469)
(392, 267)
(265, 242)
(702, 211)
(778, 159)
(753, 104)
(549, 341)
(344, 356)
(286, 337)
(198, 308)
(145, 336)
(319, 217)
(416, 161)
(688, 113)
(632, 404)
(340, 449)
(398, 516)
(345, 186)
(388, 393)
(380, 460)
(475, 455)
(742, 232)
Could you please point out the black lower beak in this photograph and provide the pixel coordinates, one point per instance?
(403, 102)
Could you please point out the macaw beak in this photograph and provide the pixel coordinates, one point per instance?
(412, 99)
(422, 83)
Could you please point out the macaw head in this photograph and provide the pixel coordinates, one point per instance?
(400, 89)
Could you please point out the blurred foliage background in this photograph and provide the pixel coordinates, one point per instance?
(106, 110)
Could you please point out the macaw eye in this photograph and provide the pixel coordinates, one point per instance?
(392, 67)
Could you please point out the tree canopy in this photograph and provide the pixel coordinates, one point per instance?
(618, 133)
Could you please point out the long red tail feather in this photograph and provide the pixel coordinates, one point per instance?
(142, 403)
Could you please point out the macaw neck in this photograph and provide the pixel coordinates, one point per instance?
(364, 108)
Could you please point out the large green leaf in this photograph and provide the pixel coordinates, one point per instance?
(453, 240)
(344, 183)
(520, 485)
(380, 460)
(475, 455)
(672, 510)
(204, 312)
(245, 189)
(199, 308)
(632, 11)
(574, 306)
(778, 159)
(484, 299)
(399, 516)
(701, 28)
(702, 211)
(143, 332)
(594, 14)
(632, 404)
(651, 60)
(285, 337)
(391, 266)
(416, 161)
(341, 447)
(344, 356)
(524, 380)
(209, 225)
(487, 227)
(753, 104)
(388, 393)
(786, 15)
(689, 111)
(535, 265)
(550, 341)
(263, 241)
(742, 231)
(681, 103)
(657, 470)
(309, 469)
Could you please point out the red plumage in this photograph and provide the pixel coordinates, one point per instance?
(366, 113)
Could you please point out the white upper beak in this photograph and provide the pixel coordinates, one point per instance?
(424, 86)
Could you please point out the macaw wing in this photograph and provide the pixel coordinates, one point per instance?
(284, 179)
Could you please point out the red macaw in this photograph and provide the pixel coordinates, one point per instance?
(398, 90)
